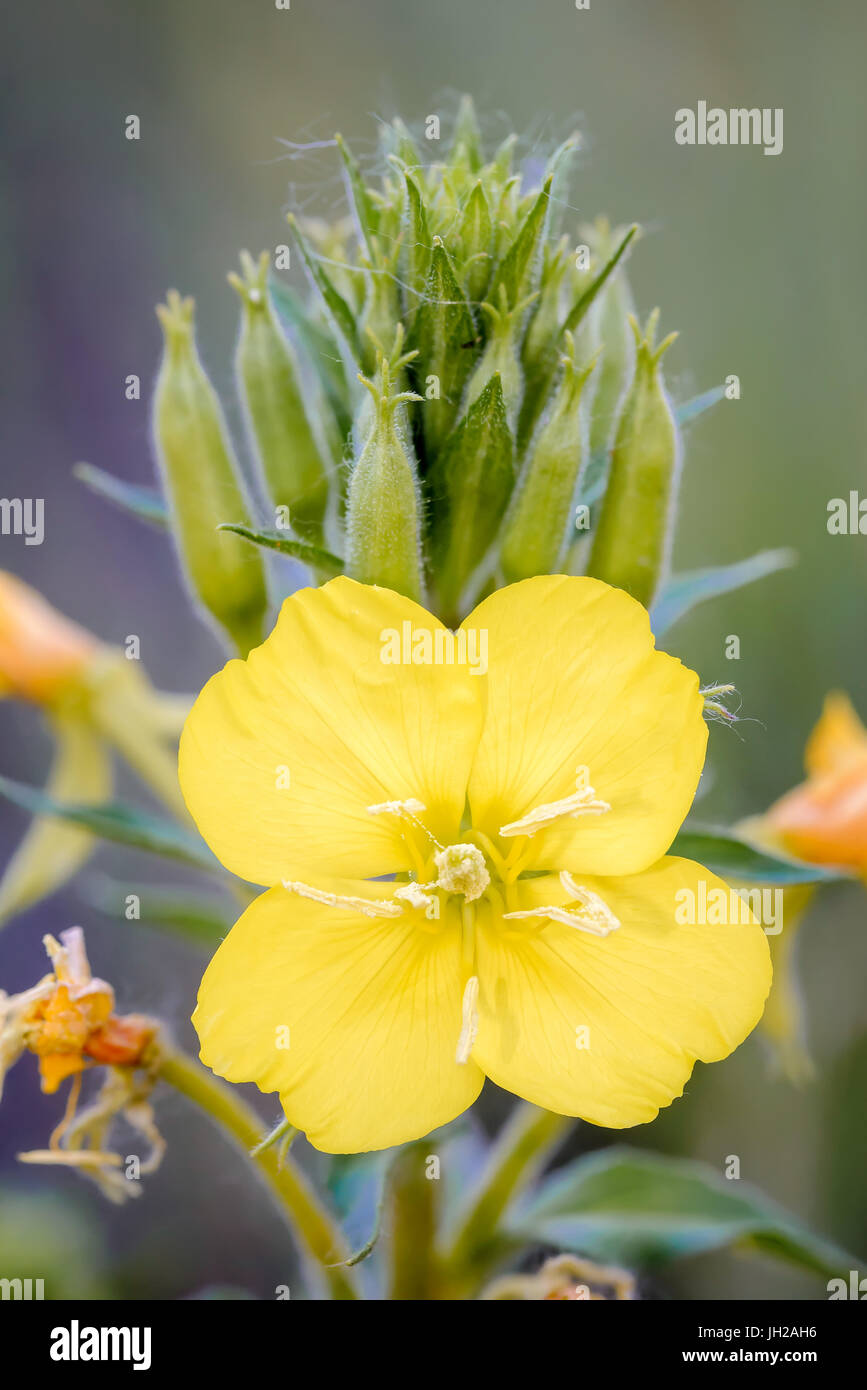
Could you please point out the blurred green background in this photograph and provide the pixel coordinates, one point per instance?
(757, 260)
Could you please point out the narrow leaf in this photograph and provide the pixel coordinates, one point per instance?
(579, 309)
(112, 820)
(732, 856)
(514, 271)
(365, 213)
(319, 347)
(681, 592)
(690, 410)
(311, 555)
(146, 503)
(339, 311)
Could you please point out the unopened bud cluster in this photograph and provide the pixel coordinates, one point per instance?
(456, 406)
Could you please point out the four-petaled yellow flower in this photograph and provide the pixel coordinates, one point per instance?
(467, 866)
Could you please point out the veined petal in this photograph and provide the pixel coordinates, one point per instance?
(653, 996)
(283, 753)
(574, 682)
(353, 1019)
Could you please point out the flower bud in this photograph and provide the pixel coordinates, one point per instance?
(630, 545)
(473, 479)
(292, 463)
(610, 316)
(502, 355)
(442, 328)
(203, 485)
(42, 654)
(383, 514)
(538, 525)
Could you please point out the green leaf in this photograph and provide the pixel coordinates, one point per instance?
(112, 820)
(311, 555)
(579, 309)
(681, 592)
(643, 1209)
(320, 349)
(515, 269)
(365, 214)
(200, 917)
(146, 503)
(339, 311)
(731, 856)
(690, 410)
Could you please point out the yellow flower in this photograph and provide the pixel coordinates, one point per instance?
(523, 799)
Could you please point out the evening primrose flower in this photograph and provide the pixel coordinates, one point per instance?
(467, 871)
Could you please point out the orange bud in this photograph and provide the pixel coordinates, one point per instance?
(824, 820)
(41, 652)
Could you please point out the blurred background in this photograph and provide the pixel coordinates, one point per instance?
(758, 262)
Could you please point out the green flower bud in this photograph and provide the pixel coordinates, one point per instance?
(472, 482)
(538, 527)
(441, 332)
(502, 355)
(202, 483)
(474, 234)
(292, 463)
(383, 509)
(630, 546)
(611, 324)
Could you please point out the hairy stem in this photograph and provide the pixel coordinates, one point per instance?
(316, 1232)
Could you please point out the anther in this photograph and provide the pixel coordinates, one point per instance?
(369, 907)
(593, 916)
(582, 802)
(469, 1020)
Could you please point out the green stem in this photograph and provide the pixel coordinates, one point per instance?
(316, 1232)
(523, 1148)
(413, 1226)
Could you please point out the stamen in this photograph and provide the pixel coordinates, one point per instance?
(369, 907)
(594, 916)
(410, 808)
(470, 1020)
(416, 894)
(582, 802)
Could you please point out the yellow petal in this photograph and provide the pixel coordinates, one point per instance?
(654, 997)
(838, 735)
(574, 680)
(283, 753)
(354, 1020)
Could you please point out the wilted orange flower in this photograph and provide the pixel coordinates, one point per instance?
(824, 820)
(41, 652)
(68, 1019)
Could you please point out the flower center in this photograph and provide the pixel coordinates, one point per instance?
(462, 869)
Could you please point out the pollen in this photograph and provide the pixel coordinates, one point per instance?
(462, 869)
